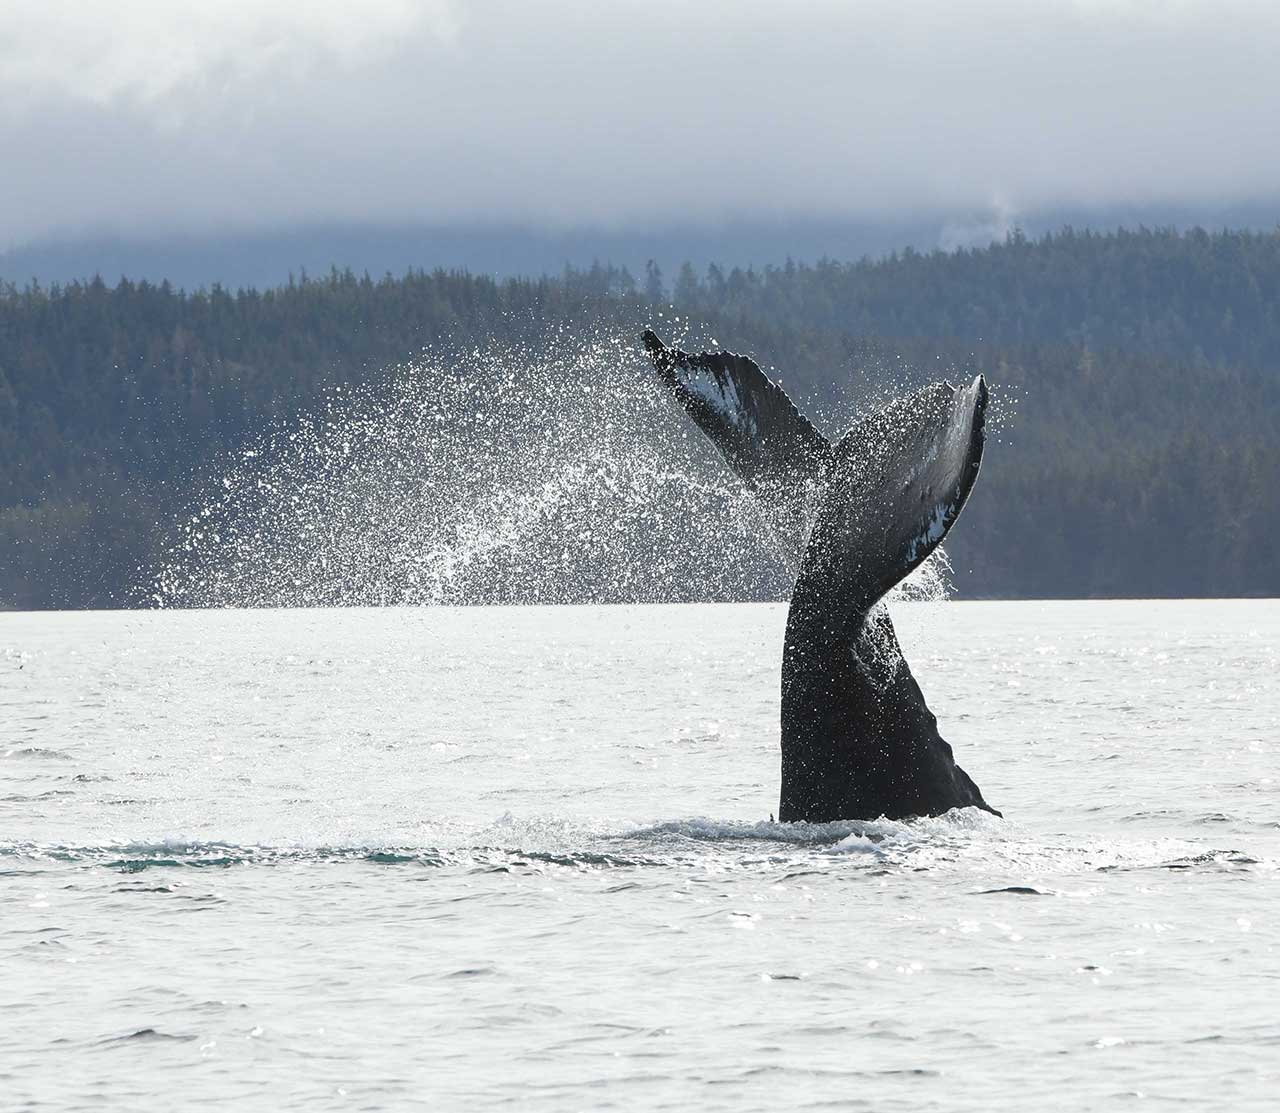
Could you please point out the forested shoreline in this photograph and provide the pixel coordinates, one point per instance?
(1135, 449)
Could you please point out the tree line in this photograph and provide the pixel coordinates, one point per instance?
(1133, 448)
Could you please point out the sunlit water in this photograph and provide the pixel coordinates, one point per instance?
(522, 857)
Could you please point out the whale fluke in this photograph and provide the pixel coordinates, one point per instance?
(858, 740)
(893, 489)
(770, 445)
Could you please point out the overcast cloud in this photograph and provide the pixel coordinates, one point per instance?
(163, 115)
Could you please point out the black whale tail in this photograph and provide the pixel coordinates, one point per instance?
(895, 486)
(770, 445)
(858, 739)
(851, 521)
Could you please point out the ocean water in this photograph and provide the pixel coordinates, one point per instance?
(523, 858)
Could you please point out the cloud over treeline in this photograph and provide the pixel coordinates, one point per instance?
(170, 115)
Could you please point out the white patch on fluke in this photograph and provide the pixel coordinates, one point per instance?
(933, 531)
(719, 393)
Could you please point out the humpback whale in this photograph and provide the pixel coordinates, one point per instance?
(849, 520)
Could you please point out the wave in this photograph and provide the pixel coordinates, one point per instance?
(965, 842)
(35, 753)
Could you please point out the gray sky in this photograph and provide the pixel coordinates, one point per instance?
(146, 116)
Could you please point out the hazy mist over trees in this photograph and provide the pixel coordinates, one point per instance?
(266, 258)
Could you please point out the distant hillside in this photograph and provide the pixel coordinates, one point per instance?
(1195, 297)
(1138, 376)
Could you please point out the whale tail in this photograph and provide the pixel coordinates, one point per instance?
(770, 445)
(874, 506)
(894, 488)
(850, 521)
(858, 739)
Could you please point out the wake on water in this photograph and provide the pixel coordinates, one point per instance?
(965, 842)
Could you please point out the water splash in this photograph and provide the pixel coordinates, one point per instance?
(931, 582)
(498, 474)
(553, 473)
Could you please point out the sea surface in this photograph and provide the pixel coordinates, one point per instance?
(523, 858)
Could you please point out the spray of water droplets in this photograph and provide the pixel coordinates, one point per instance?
(555, 473)
(501, 474)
